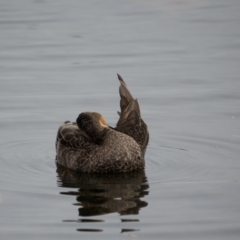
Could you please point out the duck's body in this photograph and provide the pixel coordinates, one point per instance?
(118, 153)
(90, 145)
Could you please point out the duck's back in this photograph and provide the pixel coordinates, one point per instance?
(117, 153)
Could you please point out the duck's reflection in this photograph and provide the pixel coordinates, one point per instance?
(105, 193)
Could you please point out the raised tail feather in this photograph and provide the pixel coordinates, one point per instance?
(130, 121)
(130, 110)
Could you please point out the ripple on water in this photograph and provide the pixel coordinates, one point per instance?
(185, 159)
(26, 160)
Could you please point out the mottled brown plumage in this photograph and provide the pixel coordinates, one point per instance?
(90, 145)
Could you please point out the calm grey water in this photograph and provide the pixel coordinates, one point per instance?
(181, 59)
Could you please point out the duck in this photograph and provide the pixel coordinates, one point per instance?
(91, 145)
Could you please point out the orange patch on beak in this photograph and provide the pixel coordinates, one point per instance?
(103, 121)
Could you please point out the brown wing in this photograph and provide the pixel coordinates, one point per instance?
(73, 146)
(71, 136)
(130, 121)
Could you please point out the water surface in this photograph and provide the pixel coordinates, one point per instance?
(181, 59)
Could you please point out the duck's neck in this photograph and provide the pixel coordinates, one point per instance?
(100, 137)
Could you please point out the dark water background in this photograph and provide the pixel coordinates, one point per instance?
(181, 59)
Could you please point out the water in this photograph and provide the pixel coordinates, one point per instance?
(180, 59)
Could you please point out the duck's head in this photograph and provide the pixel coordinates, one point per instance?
(94, 125)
